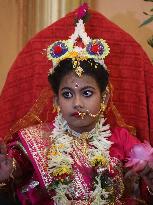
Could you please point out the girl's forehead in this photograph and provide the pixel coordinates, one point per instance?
(72, 80)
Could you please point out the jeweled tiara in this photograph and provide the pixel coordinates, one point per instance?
(79, 46)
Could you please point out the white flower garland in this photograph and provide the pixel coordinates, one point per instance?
(80, 32)
(99, 145)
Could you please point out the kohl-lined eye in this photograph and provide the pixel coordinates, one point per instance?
(87, 93)
(67, 94)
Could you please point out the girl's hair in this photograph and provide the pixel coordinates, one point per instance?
(90, 67)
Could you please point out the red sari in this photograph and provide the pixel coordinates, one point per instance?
(32, 159)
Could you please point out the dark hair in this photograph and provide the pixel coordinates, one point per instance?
(90, 67)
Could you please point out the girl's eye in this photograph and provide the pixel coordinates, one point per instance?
(67, 94)
(87, 93)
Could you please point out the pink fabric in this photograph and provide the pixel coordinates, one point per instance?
(122, 144)
(85, 171)
(35, 140)
(37, 170)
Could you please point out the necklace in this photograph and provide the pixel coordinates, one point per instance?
(81, 142)
(94, 145)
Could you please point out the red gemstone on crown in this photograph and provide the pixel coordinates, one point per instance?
(95, 48)
(79, 43)
(57, 49)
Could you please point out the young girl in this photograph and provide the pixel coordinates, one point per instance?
(79, 158)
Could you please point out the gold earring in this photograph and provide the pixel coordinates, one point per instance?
(56, 108)
(102, 107)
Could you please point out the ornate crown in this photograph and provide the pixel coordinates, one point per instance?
(78, 47)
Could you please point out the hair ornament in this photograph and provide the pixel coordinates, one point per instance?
(82, 12)
(79, 47)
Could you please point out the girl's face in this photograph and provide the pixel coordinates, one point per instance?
(79, 94)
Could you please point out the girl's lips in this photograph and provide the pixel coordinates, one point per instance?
(75, 114)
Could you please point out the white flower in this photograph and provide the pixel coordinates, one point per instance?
(98, 145)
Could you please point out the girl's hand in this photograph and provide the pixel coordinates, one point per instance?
(147, 175)
(145, 170)
(6, 165)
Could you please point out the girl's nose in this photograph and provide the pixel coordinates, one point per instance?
(78, 103)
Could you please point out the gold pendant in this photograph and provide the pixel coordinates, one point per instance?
(79, 71)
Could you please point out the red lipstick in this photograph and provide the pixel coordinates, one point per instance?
(75, 114)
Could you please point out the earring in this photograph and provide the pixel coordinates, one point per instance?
(105, 99)
(56, 108)
(102, 107)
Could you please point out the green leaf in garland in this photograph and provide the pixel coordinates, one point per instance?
(150, 19)
(151, 9)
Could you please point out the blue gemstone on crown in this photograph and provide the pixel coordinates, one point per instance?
(58, 49)
(95, 48)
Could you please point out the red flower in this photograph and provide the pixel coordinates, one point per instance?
(82, 10)
(57, 49)
(95, 48)
(79, 43)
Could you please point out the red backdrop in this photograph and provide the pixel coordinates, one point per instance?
(131, 74)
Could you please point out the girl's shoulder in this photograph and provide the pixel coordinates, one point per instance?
(122, 135)
(37, 135)
(122, 142)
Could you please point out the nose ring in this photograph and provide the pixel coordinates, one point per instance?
(78, 106)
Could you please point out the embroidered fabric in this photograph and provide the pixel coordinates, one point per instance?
(31, 185)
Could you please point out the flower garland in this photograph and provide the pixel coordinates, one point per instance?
(60, 161)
